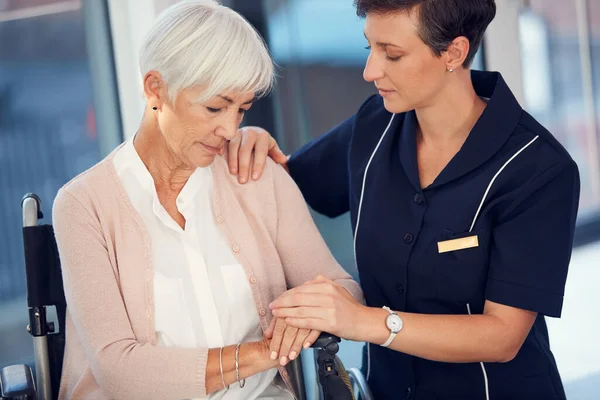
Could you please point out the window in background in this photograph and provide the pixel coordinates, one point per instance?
(560, 61)
(47, 135)
(560, 53)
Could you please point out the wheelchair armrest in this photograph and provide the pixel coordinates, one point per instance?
(16, 382)
(359, 384)
(327, 342)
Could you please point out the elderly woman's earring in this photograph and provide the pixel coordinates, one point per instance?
(451, 70)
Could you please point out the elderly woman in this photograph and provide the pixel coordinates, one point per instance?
(169, 263)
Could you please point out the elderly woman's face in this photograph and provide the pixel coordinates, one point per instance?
(197, 132)
(403, 68)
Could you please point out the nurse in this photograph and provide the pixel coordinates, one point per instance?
(463, 209)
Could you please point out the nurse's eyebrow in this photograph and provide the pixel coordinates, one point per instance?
(384, 44)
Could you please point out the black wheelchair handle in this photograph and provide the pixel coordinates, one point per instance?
(327, 342)
(333, 384)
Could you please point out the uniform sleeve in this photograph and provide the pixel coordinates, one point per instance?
(320, 169)
(303, 252)
(531, 246)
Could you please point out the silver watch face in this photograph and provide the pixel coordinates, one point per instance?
(394, 323)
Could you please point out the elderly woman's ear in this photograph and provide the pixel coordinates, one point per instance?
(155, 90)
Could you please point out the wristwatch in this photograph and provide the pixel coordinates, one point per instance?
(394, 324)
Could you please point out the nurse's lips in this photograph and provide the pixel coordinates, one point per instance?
(385, 92)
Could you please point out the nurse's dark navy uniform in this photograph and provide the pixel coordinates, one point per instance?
(512, 186)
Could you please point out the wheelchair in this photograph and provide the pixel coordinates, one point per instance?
(45, 289)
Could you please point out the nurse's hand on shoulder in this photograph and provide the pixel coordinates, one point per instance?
(286, 342)
(249, 150)
(321, 305)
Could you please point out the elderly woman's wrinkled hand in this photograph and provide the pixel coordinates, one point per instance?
(287, 342)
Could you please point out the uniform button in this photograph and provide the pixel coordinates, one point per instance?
(408, 392)
(400, 289)
(220, 219)
(408, 238)
(418, 198)
(262, 312)
(253, 280)
(236, 248)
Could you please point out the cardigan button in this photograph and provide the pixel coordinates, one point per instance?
(236, 248)
(262, 312)
(220, 219)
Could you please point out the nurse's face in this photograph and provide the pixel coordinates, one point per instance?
(404, 69)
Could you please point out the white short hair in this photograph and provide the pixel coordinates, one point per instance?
(202, 43)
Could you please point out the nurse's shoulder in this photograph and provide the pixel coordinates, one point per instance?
(552, 150)
(546, 157)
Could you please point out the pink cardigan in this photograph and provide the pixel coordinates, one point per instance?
(108, 278)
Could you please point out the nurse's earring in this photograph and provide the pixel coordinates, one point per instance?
(451, 70)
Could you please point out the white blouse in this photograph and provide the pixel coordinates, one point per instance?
(202, 296)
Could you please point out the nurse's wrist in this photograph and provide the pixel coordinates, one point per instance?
(372, 326)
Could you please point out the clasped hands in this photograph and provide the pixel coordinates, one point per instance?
(302, 313)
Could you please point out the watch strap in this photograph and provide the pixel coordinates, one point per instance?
(390, 340)
(392, 334)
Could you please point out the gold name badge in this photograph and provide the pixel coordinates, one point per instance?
(458, 244)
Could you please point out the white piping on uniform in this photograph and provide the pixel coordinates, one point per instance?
(362, 192)
(494, 178)
(485, 377)
(368, 360)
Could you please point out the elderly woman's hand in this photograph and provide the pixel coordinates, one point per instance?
(287, 341)
(322, 305)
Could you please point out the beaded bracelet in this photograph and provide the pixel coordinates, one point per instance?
(237, 366)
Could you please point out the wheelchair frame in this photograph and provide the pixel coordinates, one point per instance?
(38, 325)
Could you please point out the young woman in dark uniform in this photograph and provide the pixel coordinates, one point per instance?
(463, 209)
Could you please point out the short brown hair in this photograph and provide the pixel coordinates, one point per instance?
(440, 21)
